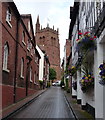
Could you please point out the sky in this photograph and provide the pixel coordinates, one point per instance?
(53, 12)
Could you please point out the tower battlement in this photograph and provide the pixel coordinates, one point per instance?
(49, 29)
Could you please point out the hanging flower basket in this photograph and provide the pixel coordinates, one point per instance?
(102, 74)
(85, 42)
(86, 82)
(72, 70)
(74, 85)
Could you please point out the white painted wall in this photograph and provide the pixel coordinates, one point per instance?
(99, 89)
(94, 97)
(79, 91)
(74, 92)
(41, 63)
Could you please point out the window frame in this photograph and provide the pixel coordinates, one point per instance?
(5, 58)
(22, 68)
(30, 74)
(23, 38)
(8, 17)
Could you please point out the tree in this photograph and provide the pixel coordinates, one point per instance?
(52, 74)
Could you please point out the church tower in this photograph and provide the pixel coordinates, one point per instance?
(48, 40)
(37, 25)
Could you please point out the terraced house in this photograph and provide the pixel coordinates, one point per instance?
(87, 34)
(20, 58)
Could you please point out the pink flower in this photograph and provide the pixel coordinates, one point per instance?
(91, 39)
(86, 33)
(79, 33)
(77, 39)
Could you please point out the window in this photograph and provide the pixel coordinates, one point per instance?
(23, 38)
(31, 74)
(6, 53)
(29, 26)
(29, 45)
(22, 68)
(34, 78)
(8, 17)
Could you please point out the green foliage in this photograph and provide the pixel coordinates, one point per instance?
(52, 74)
(41, 82)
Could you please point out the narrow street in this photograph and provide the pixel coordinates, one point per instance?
(51, 104)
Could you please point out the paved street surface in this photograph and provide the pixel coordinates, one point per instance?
(51, 104)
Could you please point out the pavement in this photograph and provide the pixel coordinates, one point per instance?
(10, 110)
(76, 108)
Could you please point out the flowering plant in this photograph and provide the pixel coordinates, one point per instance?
(72, 70)
(102, 74)
(86, 82)
(74, 85)
(85, 42)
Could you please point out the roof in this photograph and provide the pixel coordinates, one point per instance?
(74, 12)
(36, 51)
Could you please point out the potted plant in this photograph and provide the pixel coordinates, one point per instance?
(86, 82)
(85, 42)
(102, 74)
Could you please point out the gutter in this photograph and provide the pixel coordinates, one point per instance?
(16, 56)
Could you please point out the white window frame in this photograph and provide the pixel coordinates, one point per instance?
(34, 78)
(23, 38)
(29, 27)
(30, 74)
(8, 17)
(22, 68)
(29, 45)
(5, 59)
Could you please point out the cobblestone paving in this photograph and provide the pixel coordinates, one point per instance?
(51, 104)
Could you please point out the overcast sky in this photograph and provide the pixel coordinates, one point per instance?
(54, 12)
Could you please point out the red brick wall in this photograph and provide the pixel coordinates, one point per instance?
(30, 91)
(9, 35)
(68, 47)
(8, 91)
(20, 93)
(7, 95)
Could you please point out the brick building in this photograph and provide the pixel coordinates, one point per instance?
(48, 40)
(20, 58)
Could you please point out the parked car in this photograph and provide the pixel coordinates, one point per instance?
(57, 83)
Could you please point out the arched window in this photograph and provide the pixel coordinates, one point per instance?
(22, 67)
(8, 15)
(43, 39)
(6, 53)
(52, 43)
(30, 74)
(35, 77)
(23, 36)
(29, 26)
(40, 40)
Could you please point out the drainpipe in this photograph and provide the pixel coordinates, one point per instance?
(16, 58)
(27, 75)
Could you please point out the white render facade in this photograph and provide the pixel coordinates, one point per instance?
(88, 15)
(41, 63)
